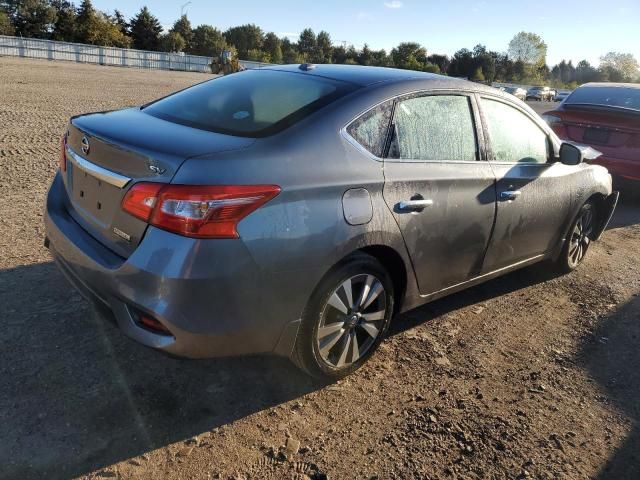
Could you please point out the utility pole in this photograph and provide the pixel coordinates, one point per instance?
(182, 7)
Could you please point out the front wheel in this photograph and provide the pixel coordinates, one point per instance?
(345, 319)
(579, 239)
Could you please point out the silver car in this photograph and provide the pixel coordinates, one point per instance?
(294, 210)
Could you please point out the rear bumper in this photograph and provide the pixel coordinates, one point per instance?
(210, 294)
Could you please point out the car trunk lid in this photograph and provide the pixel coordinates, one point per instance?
(615, 134)
(109, 152)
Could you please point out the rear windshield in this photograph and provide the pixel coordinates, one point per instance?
(253, 103)
(620, 97)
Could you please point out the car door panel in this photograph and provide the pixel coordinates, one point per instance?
(435, 163)
(447, 240)
(531, 223)
(534, 193)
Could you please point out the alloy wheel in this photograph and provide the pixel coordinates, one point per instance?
(580, 238)
(352, 320)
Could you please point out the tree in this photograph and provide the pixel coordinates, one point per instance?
(410, 56)
(121, 22)
(182, 26)
(272, 45)
(6, 27)
(290, 53)
(529, 48)
(145, 30)
(365, 57)
(442, 61)
(245, 38)
(86, 23)
(257, 55)
(478, 76)
(323, 48)
(172, 42)
(33, 18)
(207, 41)
(64, 28)
(307, 44)
(586, 73)
(623, 66)
(462, 63)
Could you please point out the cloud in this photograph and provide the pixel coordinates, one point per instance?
(393, 4)
(364, 17)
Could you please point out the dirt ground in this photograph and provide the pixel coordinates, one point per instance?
(527, 376)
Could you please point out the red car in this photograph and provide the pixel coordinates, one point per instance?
(605, 116)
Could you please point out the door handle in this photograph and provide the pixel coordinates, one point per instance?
(414, 205)
(510, 194)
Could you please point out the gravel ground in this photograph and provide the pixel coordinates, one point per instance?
(527, 376)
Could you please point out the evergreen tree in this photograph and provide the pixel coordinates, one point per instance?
(207, 41)
(121, 22)
(245, 38)
(86, 23)
(145, 30)
(64, 28)
(272, 45)
(183, 27)
(33, 18)
(307, 44)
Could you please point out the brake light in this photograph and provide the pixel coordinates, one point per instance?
(62, 160)
(194, 210)
(551, 119)
(140, 200)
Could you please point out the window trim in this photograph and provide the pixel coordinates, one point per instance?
(490, 156)
(481, 153)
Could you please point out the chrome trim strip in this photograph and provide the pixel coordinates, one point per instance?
(107, 176)
(486, 275)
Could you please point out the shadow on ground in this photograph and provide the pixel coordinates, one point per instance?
(77, 395)
(612, 358)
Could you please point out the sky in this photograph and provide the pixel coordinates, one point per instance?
(573, 30)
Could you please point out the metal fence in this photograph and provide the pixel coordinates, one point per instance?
(118, 57)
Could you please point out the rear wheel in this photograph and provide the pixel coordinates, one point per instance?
(346, 319)
(579, 239)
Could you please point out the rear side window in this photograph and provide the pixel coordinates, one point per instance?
(514, 136)
(438, 127)
(253, 103)
(370, 130)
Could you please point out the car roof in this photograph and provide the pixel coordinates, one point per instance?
(366, 76)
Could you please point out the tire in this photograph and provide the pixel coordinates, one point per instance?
(336, 314)
(578, 241)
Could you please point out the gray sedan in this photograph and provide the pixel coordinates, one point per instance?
(295, 210)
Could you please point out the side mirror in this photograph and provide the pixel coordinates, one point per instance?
(570, 154)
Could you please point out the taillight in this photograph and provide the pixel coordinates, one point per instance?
(551, 119)
(196, 211)
(62, 160)
(141, 199)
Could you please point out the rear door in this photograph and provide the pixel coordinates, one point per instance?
(440, 191)
(534, 192)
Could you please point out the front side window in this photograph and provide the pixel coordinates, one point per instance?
(435, 128)
(253, 103)
(514, 137)
(370, 130)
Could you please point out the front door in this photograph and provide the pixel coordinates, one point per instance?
(533, 191)
(441, 194)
